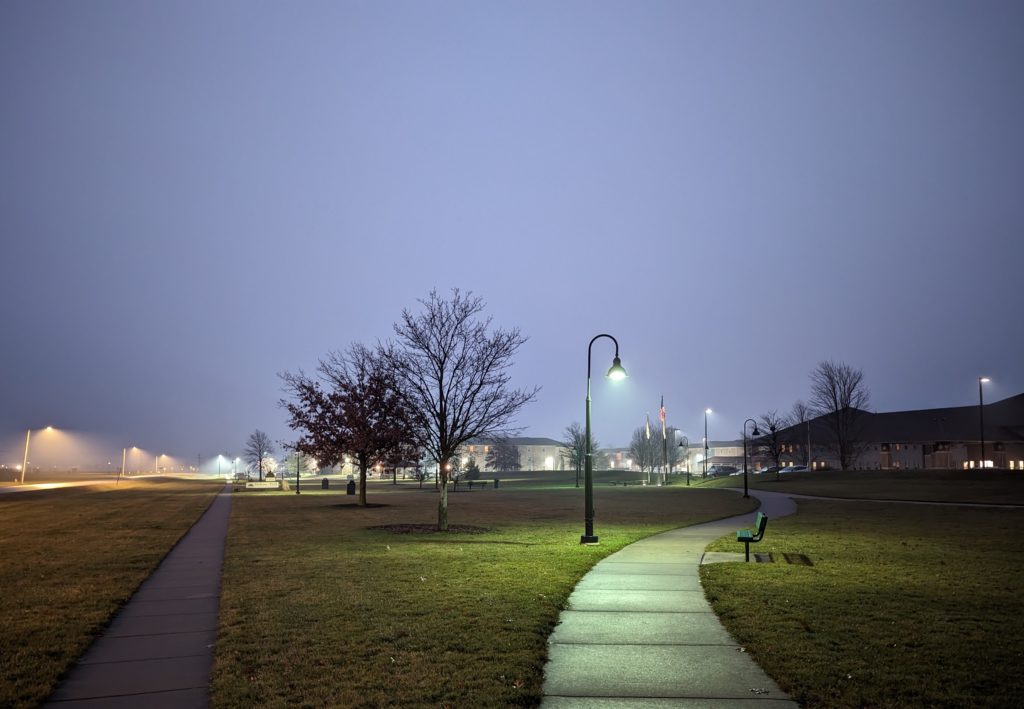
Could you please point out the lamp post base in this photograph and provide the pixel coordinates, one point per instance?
(584, 539)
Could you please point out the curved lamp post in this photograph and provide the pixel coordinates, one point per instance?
(615, 373)
(755, 432)
(981, 417)
(685, 445)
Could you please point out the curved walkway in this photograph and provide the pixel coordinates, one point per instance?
(158, 650)
(638, 631)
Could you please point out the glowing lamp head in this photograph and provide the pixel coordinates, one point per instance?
(984, 380)
(616, 372)
(707, 411)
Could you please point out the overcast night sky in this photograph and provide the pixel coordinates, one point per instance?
(195, 196)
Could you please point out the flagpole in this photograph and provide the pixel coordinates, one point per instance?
(650, 463)
(664, 443)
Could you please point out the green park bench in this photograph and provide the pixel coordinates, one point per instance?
(752, 536)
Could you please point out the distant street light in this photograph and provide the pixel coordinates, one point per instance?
(24, 462)
(615, 373)
(755, 432)
(706, 412)
(685, 445)
(124, 459)
(220, 459)
(981, 416)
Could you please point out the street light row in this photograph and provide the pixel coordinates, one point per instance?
(124, 456)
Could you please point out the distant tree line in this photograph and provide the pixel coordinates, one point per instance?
(839, 396)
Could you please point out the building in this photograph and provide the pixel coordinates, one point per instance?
(534, 453)
(924, 439)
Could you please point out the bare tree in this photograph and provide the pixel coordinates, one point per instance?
(453, 372)
(801, 414)
(574, 447)
(645, 451)
(353, 408)
(503, 455)
(671, 449)
(257, 450)
(839, 393)
(771, 441)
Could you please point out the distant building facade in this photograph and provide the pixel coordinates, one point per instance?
(924, 439)
(534, 453)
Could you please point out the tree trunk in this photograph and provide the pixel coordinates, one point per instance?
(362, 481)
(442, 501)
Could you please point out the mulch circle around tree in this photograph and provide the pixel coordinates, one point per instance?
(356, 506)
(430, 529)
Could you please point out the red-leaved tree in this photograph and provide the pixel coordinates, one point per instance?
(352, 407)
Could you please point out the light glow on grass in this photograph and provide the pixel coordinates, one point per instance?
(333, 613)
(905, 605)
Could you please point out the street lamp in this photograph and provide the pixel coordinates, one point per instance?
(755, 432)
(981, 417)
(706, 412)
(685, 445)
(615, 373)
(124, 460)
(24, 462)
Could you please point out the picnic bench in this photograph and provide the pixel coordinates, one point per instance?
(752, 536)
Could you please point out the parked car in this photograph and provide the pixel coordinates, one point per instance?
(794, 469)
(716, 471)
(769, 470)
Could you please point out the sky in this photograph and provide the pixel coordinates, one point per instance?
(197, 196)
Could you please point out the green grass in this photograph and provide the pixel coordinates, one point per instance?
(70, 559)
(905, 605)
(990, 486)
(319, 610)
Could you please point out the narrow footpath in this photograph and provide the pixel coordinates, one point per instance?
(158, 651)
(638, 631)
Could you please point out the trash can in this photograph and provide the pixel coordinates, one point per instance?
(350, 489)
(325, 484)
(496, 481)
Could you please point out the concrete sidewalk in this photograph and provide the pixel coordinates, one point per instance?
(638, 631)
(158, 651)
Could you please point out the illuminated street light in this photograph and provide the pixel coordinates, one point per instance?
(981, 417)
(124, 459)
(685, 445)
(615, 373)
(24, 462)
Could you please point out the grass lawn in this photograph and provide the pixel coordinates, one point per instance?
(319, 609)
(70, 559)
(990, 486)
(905, 605)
